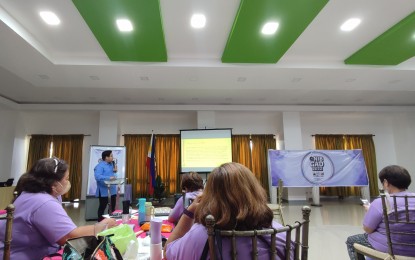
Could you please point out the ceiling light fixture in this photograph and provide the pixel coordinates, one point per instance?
(198, 21)
(350, 24)
(270, 28)
(50, 18)
(124, 25)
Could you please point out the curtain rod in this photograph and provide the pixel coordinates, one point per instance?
(177, 134)
(343, 134)
(53, 135)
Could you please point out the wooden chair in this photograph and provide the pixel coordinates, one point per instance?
(393, 218)
(277, 208)
(8, 233)
(296, 234)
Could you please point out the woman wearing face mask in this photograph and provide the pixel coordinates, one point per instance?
(40, 223)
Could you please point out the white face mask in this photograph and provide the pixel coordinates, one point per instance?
(64, 189)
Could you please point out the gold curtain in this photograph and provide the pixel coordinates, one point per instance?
(69, 148)
(39, 146)
(344, 142)
(260, 146)
(136, 158)
(365, 142)
(167, 159)
(241, 151)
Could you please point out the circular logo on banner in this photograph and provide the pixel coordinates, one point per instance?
(317, 167)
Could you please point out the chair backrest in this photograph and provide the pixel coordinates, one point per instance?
(296, 234)
(8, 233)
(399, 221)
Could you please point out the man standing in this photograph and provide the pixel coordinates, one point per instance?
(105, 171)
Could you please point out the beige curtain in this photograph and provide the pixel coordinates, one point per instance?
(167, 152)
(365, 142)
(167, 157)
(260, 146)
(136, 158)
(69, 148)
(345, 142)
(241, 151)
(39, 146)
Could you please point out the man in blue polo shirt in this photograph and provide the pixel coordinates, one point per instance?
(105, 171)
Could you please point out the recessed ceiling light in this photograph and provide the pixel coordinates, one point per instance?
(350, 24)
(241, 79)
(198, 21)
(296, 79)
(42, 76)
(270, 28)
(124, 25)
(349, 80)
(394, 81)
(50, 18)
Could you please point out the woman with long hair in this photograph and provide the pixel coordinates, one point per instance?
(236, 200)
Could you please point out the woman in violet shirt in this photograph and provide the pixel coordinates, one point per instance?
(395, 180)
(192, 184)
(237, 201)
(41, 225)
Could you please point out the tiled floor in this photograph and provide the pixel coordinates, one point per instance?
(330, 224)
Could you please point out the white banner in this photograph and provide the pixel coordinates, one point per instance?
(308, 168)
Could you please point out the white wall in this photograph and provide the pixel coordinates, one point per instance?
(394, 132)
(7, 134)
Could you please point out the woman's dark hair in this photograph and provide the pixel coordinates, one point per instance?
(42, 176)
(396, 175)
(191, 181)
(106, 154)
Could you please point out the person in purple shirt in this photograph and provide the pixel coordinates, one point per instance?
(192, 185)
(105, 170)
(395, 180)
(41, 225)
(237, 201)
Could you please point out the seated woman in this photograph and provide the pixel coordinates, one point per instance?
(192, 184)
(40, 223)
(395, 180)
(236, 200)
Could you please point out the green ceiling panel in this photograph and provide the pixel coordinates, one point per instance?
(144, 43)
(394, 46)
(246, 44)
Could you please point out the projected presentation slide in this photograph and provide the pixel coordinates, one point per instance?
(203, 150)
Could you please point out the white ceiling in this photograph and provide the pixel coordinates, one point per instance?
(40, 64)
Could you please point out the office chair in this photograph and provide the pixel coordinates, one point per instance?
(296, 235)
(394, 218)
(277, 208)
(8, 233)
